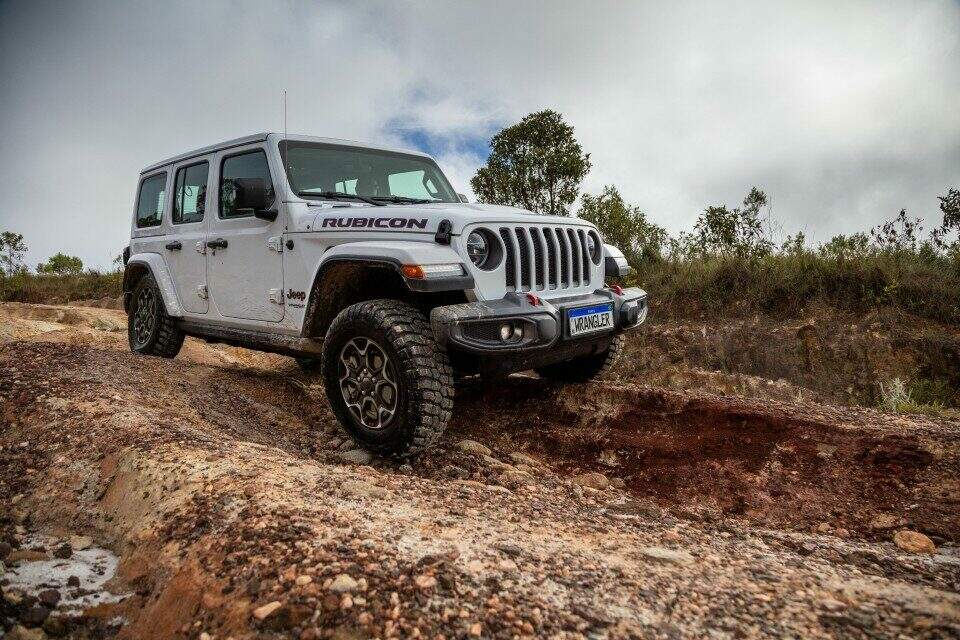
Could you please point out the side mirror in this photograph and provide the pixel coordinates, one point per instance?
(250, 194)
(463, 198)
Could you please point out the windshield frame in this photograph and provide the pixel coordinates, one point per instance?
(284, 142)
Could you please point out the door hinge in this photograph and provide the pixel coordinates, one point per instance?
(202, 292)
(201, 247)
(276, 243)
(276, 296)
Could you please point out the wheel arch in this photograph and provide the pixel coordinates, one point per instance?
(343, 279)
(141, 264)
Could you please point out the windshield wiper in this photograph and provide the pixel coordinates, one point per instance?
(403, 199)
(340, 195)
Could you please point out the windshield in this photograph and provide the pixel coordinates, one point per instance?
(319, 170)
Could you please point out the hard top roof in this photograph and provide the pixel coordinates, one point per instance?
(260, 137)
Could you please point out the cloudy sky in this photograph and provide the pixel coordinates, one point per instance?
(844, 112)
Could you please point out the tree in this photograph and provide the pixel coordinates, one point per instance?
(12, 250)
(950, 207)
(536, 164)
(624, 225)
(737, 231)
(61, 264)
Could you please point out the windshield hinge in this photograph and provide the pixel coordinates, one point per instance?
(276, 296)
(444, 232)
(276, 243)
(202, 292)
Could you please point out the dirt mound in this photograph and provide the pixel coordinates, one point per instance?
(237, 508)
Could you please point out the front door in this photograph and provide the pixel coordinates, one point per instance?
(244, 264)
(185, 246)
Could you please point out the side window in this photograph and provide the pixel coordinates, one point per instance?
(150, 201)
(246, 165)
(190, 193)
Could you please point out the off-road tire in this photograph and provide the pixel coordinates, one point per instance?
(424, 376)
(164, 338)
(585, 368)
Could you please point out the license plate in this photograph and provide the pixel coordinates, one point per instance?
(590, 319)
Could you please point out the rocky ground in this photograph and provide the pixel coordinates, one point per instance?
(213, 496)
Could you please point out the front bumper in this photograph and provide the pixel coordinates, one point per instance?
(538, 324)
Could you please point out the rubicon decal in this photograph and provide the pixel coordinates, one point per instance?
(374, 223)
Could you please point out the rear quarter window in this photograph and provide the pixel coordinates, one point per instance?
(150, 201)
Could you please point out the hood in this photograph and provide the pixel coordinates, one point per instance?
(460, 215)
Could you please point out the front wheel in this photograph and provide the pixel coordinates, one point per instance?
(585, 368)
(387, 380)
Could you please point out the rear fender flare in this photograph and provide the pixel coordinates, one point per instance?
(154, 263)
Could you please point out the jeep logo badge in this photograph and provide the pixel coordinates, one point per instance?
(296, 295)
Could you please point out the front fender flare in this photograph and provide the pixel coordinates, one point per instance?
(161, 273)
(395, 254)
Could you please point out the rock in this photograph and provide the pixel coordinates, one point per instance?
(63, 552)
(471, 446)
(914, 542)
(302, 581)
(343, 584)
(361, 489)
(49, 597)
(885, 521)
(25, 555)
(73, 581)
(833, 605)
(22, 633)
(56, 626)
(425, 582)
(592, 480)
(618, 483)
(823, 527)
(5, 550)
(35, 615)
(79, 543)
(522, 458)
(509, 549)
(669, 556)
(355, 456)
(261, 613)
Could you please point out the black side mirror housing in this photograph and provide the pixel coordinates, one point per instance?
(251, 194)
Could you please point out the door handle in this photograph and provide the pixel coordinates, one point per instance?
(174, 246)
(219, 243)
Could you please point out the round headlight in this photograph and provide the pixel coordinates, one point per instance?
(593, 246)
(478, 248)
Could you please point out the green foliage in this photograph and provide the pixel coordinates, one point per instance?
(55, 289)
(536, 164)
(731, 232)
(950, 207)
(624, 225)
(12, 250)
(61, 264)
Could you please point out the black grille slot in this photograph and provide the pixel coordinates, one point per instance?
(510, 261)
(524, 258)
(575, 251)
(537, 241)
(564, 255)
(585, 253)
(552, 264)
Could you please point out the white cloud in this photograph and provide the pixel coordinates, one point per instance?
(844, 113)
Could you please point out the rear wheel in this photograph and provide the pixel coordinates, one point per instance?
(585, 368)
(150, 330)
(388, 382)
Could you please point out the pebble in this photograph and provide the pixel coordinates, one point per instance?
(302, 581)
(79, 543)
(355, 456)
(343, 584)
(25, 555)
(260, 613)
(474, 447)
(670, 556)
(361, 489)
(63, 552)
(592, 480)
(914, 542)
(49, 597)
(522, 458)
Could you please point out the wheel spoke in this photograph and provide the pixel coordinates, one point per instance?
(367, 383)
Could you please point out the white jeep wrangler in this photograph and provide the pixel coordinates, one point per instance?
(366, 260)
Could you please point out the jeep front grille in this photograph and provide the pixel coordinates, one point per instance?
(545, 257)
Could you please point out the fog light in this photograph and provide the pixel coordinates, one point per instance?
(505, 331)
(517, 331)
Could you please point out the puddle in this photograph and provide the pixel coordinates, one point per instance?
(93, 567)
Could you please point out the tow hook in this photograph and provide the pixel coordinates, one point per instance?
(533, 299)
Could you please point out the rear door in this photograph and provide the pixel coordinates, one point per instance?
(185, 247)
(244, 263)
